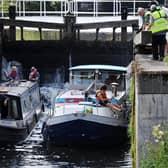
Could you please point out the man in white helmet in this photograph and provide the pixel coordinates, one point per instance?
(158, 26)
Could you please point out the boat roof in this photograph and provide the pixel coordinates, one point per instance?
(16, 88)
(99, 67)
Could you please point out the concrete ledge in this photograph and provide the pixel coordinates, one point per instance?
(151, 99)
(145, 64)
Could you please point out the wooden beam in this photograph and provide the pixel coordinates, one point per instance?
(40, 31)
(61, 34)
(21, 33)
(114, 35)
(97, 34)
(19, 23)
(119, 23)
(78, 34)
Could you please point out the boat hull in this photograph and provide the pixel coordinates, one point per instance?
(84, 132)
(13, 134)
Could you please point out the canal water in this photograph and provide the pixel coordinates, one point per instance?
(33, 152)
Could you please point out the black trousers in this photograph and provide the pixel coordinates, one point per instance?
(158, 45)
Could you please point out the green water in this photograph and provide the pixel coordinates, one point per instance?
(35, 35)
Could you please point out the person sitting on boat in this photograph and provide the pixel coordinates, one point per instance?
(34, 74)
(14, 74)
(104, 101)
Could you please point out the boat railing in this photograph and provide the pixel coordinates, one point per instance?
(89, 107)
(12, 82)
(74, 7)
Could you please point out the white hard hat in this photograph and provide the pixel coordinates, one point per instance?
(153, 7)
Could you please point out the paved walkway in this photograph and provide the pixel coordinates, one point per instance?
(146, 64)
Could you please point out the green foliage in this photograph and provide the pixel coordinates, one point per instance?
(131, 97)
(156, 154)
(50, 6)
(166, 59)
(32, 6)
(132, 90)
(35, 35)
(5, 4)
(131, 128)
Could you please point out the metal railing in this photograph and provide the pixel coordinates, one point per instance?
(74, 7)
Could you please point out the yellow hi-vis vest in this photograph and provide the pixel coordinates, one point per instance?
(160, 21)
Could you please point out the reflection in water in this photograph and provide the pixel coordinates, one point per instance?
(34, 153)
(91, 157)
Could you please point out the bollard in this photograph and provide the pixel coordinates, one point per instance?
(124, 14)
(69, 31)
(12, 15)
(1, 38)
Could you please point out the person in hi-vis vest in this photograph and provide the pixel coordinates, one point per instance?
(158, 26)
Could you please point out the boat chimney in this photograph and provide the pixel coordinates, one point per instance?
(114, 88)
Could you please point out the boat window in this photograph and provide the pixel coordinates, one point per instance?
(107, 77)
(30, 101)
(117, 78)
(9, 108)
(35, 97)
(4, 107)
(14, 110)
(82, 77)
(26, 105)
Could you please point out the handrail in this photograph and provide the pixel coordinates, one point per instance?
(75, 7)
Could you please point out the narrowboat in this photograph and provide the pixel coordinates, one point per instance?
(20, 109)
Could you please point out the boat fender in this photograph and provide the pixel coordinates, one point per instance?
(36, 118)
(27, 127)
(43, 126)
(42, 108)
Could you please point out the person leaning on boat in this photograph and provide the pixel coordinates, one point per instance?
(104, 101)
(34, 74)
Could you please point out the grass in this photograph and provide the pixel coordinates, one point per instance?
(131, 129)
(166, 59)
(156, 154)
(5, 6)
(35, 35)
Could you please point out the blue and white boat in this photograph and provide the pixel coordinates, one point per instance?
(78, 119)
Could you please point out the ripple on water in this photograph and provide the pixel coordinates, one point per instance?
(34, 153)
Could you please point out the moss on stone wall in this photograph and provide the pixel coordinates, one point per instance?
(131, 128)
